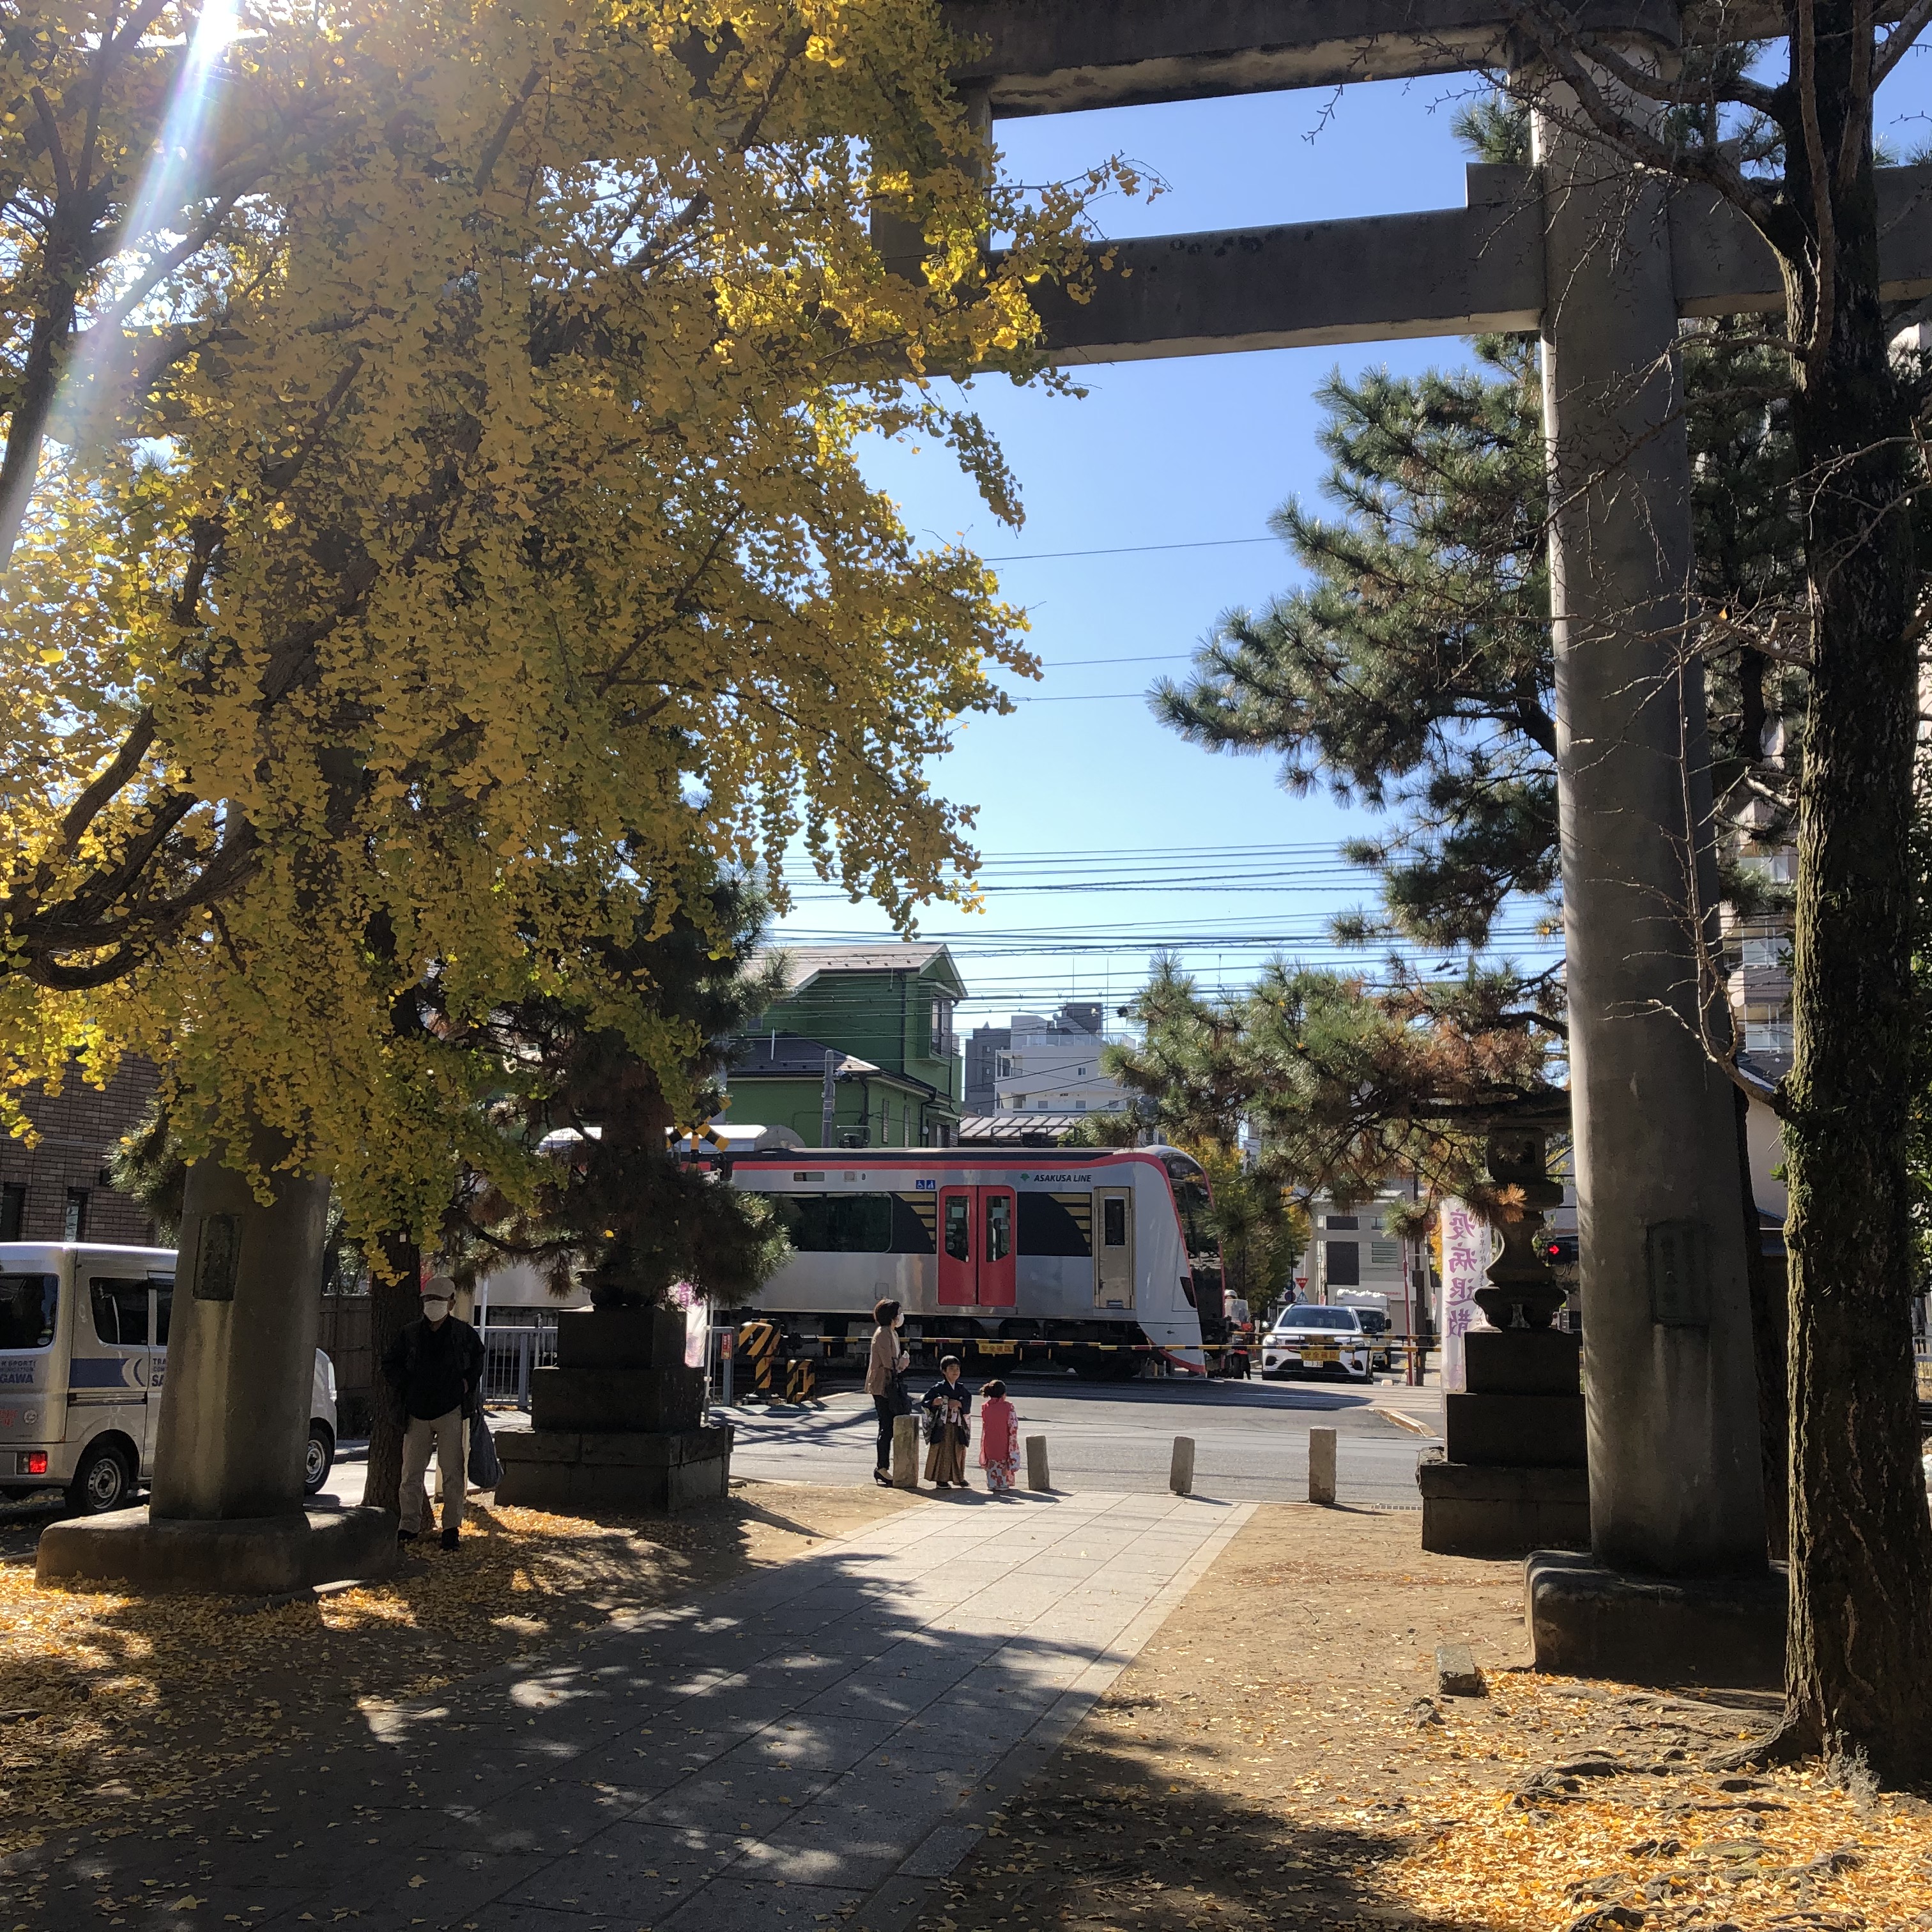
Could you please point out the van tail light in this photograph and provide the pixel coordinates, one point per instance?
(33, 1462)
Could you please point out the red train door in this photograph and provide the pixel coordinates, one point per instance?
(977, 1267)
(999, 1275)
(958, 1283)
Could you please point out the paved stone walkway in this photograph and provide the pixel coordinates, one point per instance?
(815, 1745)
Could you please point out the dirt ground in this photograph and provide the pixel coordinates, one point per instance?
(105, 1697)
(1277, 1758)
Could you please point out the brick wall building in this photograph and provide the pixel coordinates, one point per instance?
(58, 1190)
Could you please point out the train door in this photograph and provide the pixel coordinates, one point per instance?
(1114, 1247)
(978, 1267)
(958, 1271)
(999, 1267)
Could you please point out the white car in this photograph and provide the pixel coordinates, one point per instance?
(1312, 1337)
(83, 1351)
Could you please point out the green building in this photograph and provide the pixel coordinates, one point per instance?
(885, 1013)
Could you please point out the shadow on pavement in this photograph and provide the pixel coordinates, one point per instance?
(770, 1753)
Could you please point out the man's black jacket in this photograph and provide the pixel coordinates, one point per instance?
(433, 1370)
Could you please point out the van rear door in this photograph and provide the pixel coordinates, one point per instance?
(33, 1382)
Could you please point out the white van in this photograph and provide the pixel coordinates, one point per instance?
(83, 1342)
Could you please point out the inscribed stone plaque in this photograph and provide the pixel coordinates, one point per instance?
(215, 1266)
(1678, 1257)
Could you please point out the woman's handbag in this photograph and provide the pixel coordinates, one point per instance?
(900, 1397)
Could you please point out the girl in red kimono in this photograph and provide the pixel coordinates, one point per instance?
(999, 1439)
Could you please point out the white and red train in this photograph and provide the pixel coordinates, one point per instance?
(1093, 1257)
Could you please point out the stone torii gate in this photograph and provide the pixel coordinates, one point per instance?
(1601, 262)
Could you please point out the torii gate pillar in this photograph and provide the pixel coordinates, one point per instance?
(1675, 1485)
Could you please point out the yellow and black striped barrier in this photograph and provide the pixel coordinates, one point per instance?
(758, 1343)
(800, 1382)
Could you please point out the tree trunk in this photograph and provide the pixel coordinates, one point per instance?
(1770, 1331)
(1859, 1668)
(391, 1304)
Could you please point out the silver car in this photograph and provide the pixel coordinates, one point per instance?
(1313, 1338)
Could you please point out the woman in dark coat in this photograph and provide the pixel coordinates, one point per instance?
(948, 1403)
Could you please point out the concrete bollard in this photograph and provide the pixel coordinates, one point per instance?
(1180, 1471)
(905, 1452)
(1035, 1452)
(1322, 1465)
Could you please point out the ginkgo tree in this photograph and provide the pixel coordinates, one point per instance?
(435, 523)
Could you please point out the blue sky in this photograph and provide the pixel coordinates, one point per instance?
(1164, 453)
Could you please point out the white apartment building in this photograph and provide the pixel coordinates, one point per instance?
(1052, 1066)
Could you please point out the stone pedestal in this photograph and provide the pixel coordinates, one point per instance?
(1586, 1621)
(619, 1423)
(1515, 1476)
(243, 1556)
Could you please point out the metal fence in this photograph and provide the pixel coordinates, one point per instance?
(509, 1354)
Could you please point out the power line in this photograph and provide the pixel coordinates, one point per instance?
(1080, 697)
(1130, 550)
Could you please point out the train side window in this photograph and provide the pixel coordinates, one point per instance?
(912, 1230)
(958, 1228)
(1114, 1222)
(838, 1224)
(1057, 1224)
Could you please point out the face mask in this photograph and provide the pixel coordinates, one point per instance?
(436, 1310)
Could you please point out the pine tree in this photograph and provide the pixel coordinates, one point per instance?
(616, 1205)
(1341, 1084)
(1413, 673)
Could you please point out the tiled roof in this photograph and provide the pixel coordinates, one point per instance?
(805, 963)
(1016, 1128)
(790, 1056)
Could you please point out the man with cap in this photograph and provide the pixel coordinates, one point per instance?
(435, 1367)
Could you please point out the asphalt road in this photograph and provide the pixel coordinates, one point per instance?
(1251, 1438)
(1251, 1442)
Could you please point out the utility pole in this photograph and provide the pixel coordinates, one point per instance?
(828, 1104)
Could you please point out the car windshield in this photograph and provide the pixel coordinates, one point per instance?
(1317, 1317)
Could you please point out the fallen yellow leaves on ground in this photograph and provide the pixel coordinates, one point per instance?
(1276, 1760)
(1609, 1808)
(106, 1695)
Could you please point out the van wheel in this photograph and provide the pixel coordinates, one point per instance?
(320, 1459)
(104, 1481)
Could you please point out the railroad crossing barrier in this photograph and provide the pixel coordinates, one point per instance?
(759, 1340)
(1322, 1465)
(1037, 1477)
(1180, 1471)
(799, 1380)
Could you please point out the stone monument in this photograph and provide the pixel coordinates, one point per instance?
(1515, 1476)
(619, 1423)
(227, 1514)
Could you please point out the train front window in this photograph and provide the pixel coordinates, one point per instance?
(1197, 1216)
